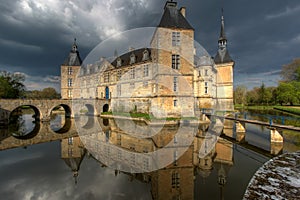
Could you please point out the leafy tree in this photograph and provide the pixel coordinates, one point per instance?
(47, 93)
(291, 71)
(261, 93)
(240, 95)
(50, 93)
(252, 96)
(264, 94)
(286, 93)
(11, 85)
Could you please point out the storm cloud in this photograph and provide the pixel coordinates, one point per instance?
(36, 35)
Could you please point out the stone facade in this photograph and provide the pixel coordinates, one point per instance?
(166, 79)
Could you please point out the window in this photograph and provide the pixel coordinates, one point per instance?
(119, 154)
(146, 163)
(70, 71)
(106, 77)
(132, 159)
(175, 39)
(107, 136)
(119, 74)
(206, 88)
(119, 139)
(175, 180)
(119, 62)
(70, 93)
(132, 85)
(70, 141)
(146, 70)
(70, 82)
(175, 157)
(206, 72)
(119, 90)
(145, 55)
(175, 61)
(132, 73)
(132, 59)
(145, 83)
(175, 103)
(175, 84)
(70, 152)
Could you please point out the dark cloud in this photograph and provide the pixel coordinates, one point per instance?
(38, 172)
(36, 36)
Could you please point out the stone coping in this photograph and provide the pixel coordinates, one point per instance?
(156, 122)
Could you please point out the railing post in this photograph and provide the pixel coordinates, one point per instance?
(282, 120)
(270, 121)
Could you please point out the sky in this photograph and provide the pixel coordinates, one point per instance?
(36, 35)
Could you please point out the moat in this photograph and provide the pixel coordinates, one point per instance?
(58, 163)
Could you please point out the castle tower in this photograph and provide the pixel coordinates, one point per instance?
(72, 153)
(173, 62)
(224, 65)
(69, 71)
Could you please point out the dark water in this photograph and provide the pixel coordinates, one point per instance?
(59, 166)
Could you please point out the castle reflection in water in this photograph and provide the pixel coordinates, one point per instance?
(128, 154)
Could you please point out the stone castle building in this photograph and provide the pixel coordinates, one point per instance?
(167, 78)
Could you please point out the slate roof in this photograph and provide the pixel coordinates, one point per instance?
(74, 58)
(203, 61)
(73, 163)
(125, 58)
(172, 17)
(222, 32)
(222, 57)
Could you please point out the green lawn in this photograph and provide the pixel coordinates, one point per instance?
(288, 109)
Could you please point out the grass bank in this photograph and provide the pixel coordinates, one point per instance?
(292, 110)
(258, 107)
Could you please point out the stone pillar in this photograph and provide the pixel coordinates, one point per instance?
(228, 128)
(239, 127)
(276, 137)
(240, 136)
(276, 148)
(204, 118)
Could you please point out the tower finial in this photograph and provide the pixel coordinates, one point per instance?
(222, 39)
(74, 46)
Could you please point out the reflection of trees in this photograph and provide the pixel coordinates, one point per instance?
(17, 125)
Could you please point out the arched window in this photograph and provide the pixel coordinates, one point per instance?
(132, 59)
(119, 62)
(145, 55)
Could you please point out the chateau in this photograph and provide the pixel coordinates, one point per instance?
(167, 78)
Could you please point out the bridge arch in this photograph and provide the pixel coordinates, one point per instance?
(66, 127)
(67, 109)
(105, 107)
(29, 135)
(37, 113)
(91, 109)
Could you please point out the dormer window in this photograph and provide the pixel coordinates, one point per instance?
(132, 59)
(145, 55)
(119, 62)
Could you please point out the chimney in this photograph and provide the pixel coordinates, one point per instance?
(131, 49)
(182, 11)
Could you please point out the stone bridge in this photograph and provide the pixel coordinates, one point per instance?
(41, 133)
(43, 108)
